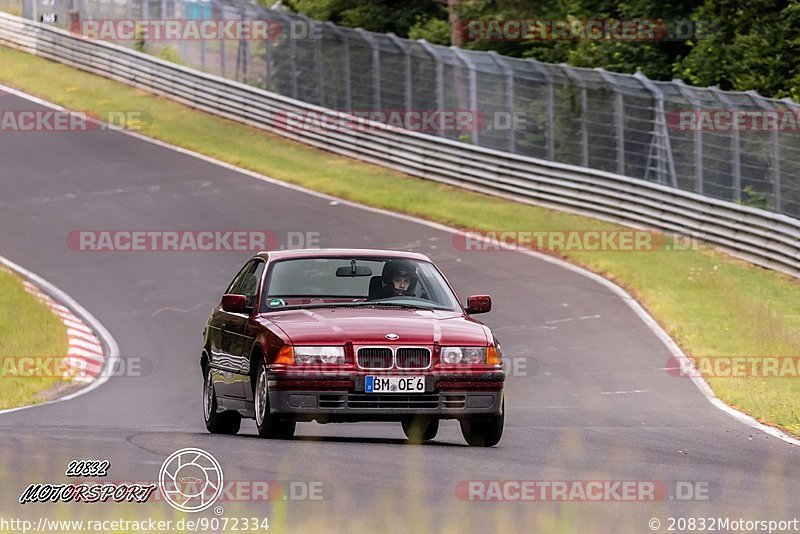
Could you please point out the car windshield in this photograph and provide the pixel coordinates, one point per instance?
(374, 281)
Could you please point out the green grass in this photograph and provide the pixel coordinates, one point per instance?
(27, 329)
(710, 303)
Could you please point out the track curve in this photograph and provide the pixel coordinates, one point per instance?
(588, 400)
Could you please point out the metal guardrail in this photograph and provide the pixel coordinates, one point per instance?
(699, 139)
(765, 238)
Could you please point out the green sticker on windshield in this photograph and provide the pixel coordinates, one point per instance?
(276, 302)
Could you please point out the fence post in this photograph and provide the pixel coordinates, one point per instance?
(584, 106)
(376, 68)
(318, 64)
(775, 150)
(509, 100)
(698, 134)
(736, 149)
(242, 52)
(439, 77)
(293, 56)
(222, 56)
(202, 43)
(348, 103)
(795, 108)
(660, 128)
(619, 119)
(401, 44)
(473, 87)
(267, 55)
(551, 115)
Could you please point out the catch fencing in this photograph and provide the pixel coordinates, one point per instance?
(624, 124)
(763, 237)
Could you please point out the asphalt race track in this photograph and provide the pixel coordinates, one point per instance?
(587, 397)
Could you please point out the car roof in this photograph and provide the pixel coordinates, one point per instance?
(339, 252)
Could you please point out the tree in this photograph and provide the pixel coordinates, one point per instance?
(655, 58)
(397, 16)
(751, 45)
(742, 45)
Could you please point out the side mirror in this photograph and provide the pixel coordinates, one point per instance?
(479, 304)
(234, 303)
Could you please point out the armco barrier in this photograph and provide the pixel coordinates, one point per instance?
(762, 237)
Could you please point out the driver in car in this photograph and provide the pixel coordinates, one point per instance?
(399, 279)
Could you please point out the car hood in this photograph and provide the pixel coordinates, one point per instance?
(364, 326)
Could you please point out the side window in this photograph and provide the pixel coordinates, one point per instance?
(237, 281)
(249, 285)
(246, 282)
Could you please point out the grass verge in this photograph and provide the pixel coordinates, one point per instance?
(711, 304)
(28, 329)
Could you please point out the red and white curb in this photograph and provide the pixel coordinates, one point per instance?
(85, 356)
(92, 350)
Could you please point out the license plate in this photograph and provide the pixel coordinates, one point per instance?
(394, 384)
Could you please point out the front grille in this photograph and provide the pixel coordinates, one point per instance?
(369, 400)
(413, 357)
(331, 400)
(375, 358)
(454, 401)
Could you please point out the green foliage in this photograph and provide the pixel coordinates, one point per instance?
(140, 45)
(655, 59)
(754, 199)
(433, 30)
(752, 45)
(394, 16)
(169, 54)
(742, 45)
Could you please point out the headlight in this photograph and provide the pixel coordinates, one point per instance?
(328, 355)
(466, 355)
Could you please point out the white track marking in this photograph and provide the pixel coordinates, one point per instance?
(79, 317)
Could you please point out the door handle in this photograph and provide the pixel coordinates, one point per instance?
(224, 325)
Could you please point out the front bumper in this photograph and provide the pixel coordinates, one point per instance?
(446, 397)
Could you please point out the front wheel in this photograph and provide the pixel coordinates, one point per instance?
(269, 426)
(484, 432)
(419, 429)
(217, 423)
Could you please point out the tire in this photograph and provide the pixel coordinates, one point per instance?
(217, 423)
(484, 432)
(419, 429)
(269, 426)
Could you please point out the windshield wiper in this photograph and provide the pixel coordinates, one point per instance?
(365, 303)
(402, 305)
(317, 305)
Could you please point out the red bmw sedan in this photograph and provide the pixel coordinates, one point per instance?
(346, 335)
